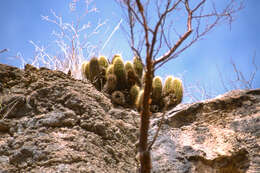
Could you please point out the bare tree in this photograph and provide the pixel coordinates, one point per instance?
(159, 31)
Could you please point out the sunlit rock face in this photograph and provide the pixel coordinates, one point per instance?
(220, 135)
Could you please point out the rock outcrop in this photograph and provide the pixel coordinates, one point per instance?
(220, 135)
(50, 122)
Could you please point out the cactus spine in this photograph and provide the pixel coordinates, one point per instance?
(138, 66)
(157, 89)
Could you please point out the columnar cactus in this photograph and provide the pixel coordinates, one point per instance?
(109, 70)
(139, 100)
(173, 91)
(129, 66)
(119, 71)
(83, 69)
(134, 91)
(168, 86)
(124, 82)
(111, 84)
(103, 62)
(178, 90)
(94, 68)
(95, 73)
(87, 71)
(157, 89)
(131, 76)
(138, 66)
(115, 57)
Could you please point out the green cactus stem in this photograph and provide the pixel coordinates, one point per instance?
(139, 101)
(119, 71)
(111, 83)
(134, 91)
(178, 90)
(168, 86)
(115, 57)
(103, 62)
(83, 69)
(138, 66)
(157, 89)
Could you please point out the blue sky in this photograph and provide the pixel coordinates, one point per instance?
(21, 21)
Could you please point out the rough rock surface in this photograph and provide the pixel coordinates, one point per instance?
(220, 135)
(50, 122)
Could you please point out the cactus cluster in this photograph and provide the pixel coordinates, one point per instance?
(172, 91)
(124, 83)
